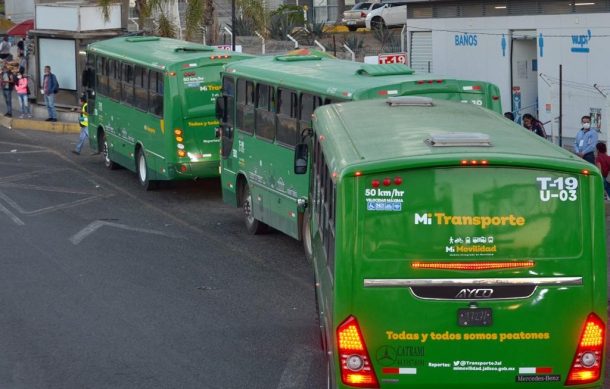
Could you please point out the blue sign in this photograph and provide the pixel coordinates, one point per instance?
(541, 44)
(580, 43)
(466, 40)
(503, 44)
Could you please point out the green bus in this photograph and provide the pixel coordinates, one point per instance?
(453, 249)
(152, 106)
(269, 102)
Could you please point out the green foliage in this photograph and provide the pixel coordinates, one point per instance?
(166, 28)
(388, 39)
(280, 26)
(317, 29)
(252, 16)
(294, 13)
(194, 17)
(354, 42)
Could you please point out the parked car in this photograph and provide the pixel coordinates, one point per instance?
(388, 15)
(355, 17)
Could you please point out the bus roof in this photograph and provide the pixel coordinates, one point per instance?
(156, 52)
(371, 131)
(334, 77)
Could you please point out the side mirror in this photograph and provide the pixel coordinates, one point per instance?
(221, 109)
(301, 155)
(86, 78)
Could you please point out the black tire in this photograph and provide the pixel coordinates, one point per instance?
(104, 146)
(253, 225)
(352, 28)
(142, 170)
(378, 24)
(306, 237)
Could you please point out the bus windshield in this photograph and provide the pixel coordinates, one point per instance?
(452, 213)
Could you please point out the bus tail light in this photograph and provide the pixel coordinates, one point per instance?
(181, 153)
(587, 363)
(356, 368)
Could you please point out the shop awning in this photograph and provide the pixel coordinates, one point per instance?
(21, 29)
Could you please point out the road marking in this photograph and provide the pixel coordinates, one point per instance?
(91, 228)
(13, 217)
(296, 373)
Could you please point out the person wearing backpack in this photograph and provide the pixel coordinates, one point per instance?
(21, 87)
(50, 87)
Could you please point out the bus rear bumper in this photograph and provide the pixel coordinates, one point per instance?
(192, 170)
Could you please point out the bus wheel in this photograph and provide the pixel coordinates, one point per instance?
(306, 237)
(253, 225)
(107, 161)
(142, 169)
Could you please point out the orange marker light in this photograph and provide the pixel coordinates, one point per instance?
(473, 266)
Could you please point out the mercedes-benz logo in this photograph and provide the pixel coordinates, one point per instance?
(386, 355)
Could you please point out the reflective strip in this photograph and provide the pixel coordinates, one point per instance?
(399, 370)
(398, 282)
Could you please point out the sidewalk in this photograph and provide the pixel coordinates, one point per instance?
(67, 121)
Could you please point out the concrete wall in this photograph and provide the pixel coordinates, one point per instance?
(578, 42)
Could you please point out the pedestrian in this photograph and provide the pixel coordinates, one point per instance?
(510, 116)
(586, 141)
(22, 63)
(21, 87)
(534, 125)
(83, 121)
(5, 49)
(21, 47)
(8, 83)
(603, 163)
(50, 87)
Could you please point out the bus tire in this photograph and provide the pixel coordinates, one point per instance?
(142, 170)
(104, 146)
(254, 226)
(306, 237)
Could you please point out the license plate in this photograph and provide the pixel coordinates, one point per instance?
(474, 317)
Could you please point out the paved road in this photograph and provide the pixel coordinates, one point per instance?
(103, 285)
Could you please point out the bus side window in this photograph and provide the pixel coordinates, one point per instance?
(156, 93)
(264, 117)
(228, 89)
(127, 84)
(245, 106)
(141, 87)
(114, 79)
(308, 104)
(287, 121)
(101, 72)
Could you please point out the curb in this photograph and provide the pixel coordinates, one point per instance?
(39, 125)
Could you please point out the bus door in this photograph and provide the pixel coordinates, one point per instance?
(200, 88)
(474, 276)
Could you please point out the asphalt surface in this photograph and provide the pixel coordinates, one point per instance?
(103, 285)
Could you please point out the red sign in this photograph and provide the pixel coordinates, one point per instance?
(393, 58)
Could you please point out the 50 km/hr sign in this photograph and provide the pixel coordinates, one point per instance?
(393, 58)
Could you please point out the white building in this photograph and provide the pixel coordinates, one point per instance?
(519, 45)
(19, 10)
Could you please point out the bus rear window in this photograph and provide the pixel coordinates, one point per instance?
(200, 88)
(472, 213)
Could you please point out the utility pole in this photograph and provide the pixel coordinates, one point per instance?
(233, 31)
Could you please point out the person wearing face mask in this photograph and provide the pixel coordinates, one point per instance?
(21, 87)
(586, 140)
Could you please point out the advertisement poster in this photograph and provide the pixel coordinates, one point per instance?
(596, 118)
